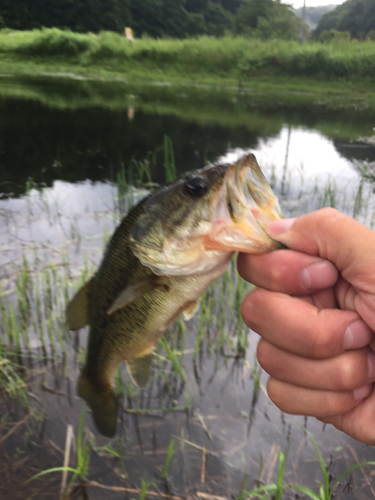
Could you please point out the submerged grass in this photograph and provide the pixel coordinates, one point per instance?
(33, 316)
(83, 459)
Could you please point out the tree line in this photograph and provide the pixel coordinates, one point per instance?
(186, 18)
(355, 17)
(156, 18)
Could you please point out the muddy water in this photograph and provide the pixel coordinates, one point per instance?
(227, 434)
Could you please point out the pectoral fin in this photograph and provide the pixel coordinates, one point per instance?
(133, 292)
(140, 369)
(191, 310)
(77, 312)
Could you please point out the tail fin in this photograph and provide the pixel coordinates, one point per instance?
(103, 405)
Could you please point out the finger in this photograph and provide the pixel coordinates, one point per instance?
(287, 271)
(324, 299)
(301, 328)
(333, 236)
(345, 372)
(301, 401)
(357, 422)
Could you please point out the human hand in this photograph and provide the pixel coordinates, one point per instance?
(315, 312)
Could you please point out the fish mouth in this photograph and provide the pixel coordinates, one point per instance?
(232, 218)
(242, 209)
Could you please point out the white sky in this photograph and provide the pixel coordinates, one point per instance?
(312, 3)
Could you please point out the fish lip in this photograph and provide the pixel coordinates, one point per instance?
(243, 209)
(253, 192)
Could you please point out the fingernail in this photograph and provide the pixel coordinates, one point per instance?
(357, 335)
(362, 392)
(319, 276)
(371, 364)
(279, 226)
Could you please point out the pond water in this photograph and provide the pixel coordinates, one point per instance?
(74, 155)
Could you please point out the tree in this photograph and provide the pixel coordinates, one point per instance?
(267, 19)
(217, 19)
(249, 13)
(78, 15)
(355, 16)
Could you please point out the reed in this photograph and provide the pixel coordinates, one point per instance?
(164, 474)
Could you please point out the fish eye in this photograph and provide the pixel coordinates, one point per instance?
(196, 187)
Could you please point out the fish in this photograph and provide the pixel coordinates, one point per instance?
(164, 254)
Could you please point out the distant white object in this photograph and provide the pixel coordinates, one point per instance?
(296, 4)
(129, 34)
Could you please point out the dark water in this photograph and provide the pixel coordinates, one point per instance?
(62, 145)
(74, 131)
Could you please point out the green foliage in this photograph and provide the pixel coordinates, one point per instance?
(83, 457)
(154, 18)
(334, 36)
(180, 18)
(217, 19)
(267, 19)
(355, 16)
(326, 492)
(164, 473)
(55, 42)
(77, 15)
(236, 58)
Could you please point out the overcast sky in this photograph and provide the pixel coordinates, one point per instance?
(312, 3)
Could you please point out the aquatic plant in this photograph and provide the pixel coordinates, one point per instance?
(164, 474)
(326, 491)
(83, 458)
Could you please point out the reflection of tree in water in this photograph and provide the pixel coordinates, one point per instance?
(83, 131)
(48, 144)
(355, 150)
(360, 153)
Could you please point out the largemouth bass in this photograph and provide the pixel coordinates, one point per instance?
(159, 261)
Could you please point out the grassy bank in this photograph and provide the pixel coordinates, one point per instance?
(230, 61)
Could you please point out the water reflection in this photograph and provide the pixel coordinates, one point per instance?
(73, 131)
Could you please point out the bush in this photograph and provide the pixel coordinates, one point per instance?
(55, 42)
(334, 36)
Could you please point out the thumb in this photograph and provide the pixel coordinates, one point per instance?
(333, 236)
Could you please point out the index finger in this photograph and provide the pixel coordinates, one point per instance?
(287, 271)
(333, 236)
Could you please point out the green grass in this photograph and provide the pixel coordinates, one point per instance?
(231, 60)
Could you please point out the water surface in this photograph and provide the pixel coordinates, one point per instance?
(62, 149)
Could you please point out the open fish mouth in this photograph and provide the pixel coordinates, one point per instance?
(195, 233)
(242, 209)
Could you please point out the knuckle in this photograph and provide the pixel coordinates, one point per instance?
(276, 275)
(321, 344)
(328, 213)
(348, 376)
(353, 369)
